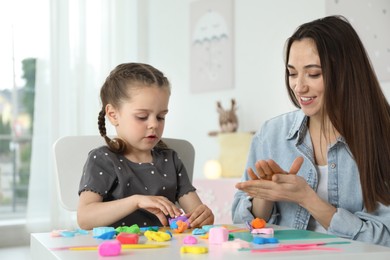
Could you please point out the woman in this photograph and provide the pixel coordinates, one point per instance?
(326, 166)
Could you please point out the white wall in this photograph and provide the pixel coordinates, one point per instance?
(261, 28)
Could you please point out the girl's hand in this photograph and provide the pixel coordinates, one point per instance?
(159, 206)
(201, 216)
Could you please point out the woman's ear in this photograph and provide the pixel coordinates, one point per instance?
(112, 114)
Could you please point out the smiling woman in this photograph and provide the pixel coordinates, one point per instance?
(324, 167)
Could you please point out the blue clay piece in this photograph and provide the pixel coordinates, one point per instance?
(199, 231)
(259, 240)
(107, 235)
(68, 234)
(272, 240)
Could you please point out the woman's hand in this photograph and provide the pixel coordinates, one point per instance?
(267, 168)
(201, 216)
(159, 206)
(283, 187)
(279, 184)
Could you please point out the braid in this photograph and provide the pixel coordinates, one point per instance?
(101, 123)
(116, 145)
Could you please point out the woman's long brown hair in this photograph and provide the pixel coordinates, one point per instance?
(354, 101)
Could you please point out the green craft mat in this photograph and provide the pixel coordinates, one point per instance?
(290, 234)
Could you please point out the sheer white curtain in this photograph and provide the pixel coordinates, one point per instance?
(84, 40)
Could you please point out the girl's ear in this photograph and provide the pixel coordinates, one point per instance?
(111, 114)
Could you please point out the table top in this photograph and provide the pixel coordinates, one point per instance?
(43, 246)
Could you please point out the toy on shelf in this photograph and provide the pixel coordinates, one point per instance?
(228, 121)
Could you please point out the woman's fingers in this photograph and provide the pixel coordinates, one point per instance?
(296, 165)
(252, 174)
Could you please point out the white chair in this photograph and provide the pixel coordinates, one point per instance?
(70, 155)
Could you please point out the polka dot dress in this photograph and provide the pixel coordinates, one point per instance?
(114, 177)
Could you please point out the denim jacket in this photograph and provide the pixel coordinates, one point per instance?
(286, 137)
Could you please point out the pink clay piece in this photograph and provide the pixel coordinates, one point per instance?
(110, 248)
(190, 240)
(218, 235)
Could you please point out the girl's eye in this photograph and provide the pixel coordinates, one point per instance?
(160, 118)
(314, 75)
(143, 118)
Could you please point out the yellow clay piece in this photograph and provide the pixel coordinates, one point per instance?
(157, 236)
(194, 249)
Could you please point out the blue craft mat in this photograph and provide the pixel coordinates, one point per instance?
(290, 234)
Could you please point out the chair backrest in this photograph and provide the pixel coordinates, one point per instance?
(70, 155)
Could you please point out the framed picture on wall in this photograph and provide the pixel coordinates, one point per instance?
(211, 45)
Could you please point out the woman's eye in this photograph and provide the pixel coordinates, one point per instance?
(314, 75)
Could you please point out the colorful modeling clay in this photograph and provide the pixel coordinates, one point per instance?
(127, 238)
(199, 231)
(157, 236)
(194, 249)
(56, 233)
(258, 223)
(92, 247)
(68, 233)
(265, 240)
(110, 248)
(190, 240)
(168, 232)
(181, 226)
(182, 218)
(101, 230)
(207, 227)
(152, 228)
(236, 244)
(107, 235)
(265, 231)
(218, 235)
(82, 231)
(133, 229)
(205, 236)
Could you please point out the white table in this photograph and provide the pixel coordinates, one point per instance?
(42, 243)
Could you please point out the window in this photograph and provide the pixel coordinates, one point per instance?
(17, 85)
(17, 103)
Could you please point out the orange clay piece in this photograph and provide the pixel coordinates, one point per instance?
(258, 223)
(181, 226)
(205, 236)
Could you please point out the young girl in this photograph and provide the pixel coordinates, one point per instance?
(136, 179)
